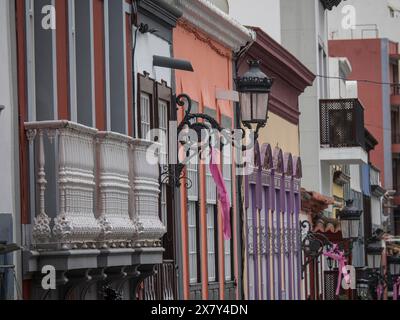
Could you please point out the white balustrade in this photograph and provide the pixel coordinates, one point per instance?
(114, 189)
(146, 192)
(107, 192)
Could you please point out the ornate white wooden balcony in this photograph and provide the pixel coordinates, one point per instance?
(106, 192)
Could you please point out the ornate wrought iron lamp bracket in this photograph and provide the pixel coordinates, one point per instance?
(174, 174)
(312, 244)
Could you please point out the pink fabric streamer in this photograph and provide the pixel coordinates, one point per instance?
(396, 289)
(222, 194)
(338, 255)
(379, 291)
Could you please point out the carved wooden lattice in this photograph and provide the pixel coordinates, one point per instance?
(342, 123)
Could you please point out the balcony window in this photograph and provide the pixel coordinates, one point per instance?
(145, 115)
(164, 94)
(146, 111)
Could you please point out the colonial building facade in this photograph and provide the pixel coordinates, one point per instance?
(91, 203)
(272, 192)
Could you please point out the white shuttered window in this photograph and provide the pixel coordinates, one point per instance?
(145, 114)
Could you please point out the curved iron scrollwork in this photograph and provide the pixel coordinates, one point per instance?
(312, 244)
(174, 175)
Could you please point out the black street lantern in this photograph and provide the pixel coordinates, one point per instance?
(394, 265)
(350, 220)
(254, 88)
(374, 256)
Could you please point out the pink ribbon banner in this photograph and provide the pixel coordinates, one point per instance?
(396, 289)
(338, 255)
(222, 194)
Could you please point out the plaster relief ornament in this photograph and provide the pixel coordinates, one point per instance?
(62, 229)
(106, 229)
(41, 228)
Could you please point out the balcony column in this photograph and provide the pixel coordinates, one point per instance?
(41, 228)
(146, 192)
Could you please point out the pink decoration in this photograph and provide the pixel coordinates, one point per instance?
(396, 289)
(222, 194)
(379, 291)
(338, 255)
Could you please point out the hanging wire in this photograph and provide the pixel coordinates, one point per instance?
(360, 80)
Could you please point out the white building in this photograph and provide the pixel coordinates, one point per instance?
(9, 168)
(364, 19)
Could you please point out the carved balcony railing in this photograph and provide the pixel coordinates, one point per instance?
(161, 285)
(342, 123)
(104, 191)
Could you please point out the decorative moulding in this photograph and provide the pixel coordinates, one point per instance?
(214, 22)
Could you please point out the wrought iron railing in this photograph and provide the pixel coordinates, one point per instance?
(161, 285)
(342, 123)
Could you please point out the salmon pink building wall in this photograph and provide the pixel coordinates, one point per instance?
(212, 65)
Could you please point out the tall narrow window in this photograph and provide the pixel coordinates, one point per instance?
(84, 61)
(212, 274)
(115, 39)
(192, 226)
(44, 65)
(192, 171)
(227, 175)
(147, 114)
(164, 97)
(212, 227)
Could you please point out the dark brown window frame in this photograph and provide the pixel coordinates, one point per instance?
(164, 92)
(146, 85)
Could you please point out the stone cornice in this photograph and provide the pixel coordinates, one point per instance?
(293, 76)
(278, 57)
(215, 23)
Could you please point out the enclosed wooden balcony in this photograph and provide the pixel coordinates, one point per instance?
(342, 132)
(95, 198)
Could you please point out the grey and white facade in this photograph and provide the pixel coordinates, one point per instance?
(9, 169)
(92, 204)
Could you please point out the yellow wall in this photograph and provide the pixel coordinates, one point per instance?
(282, 132)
